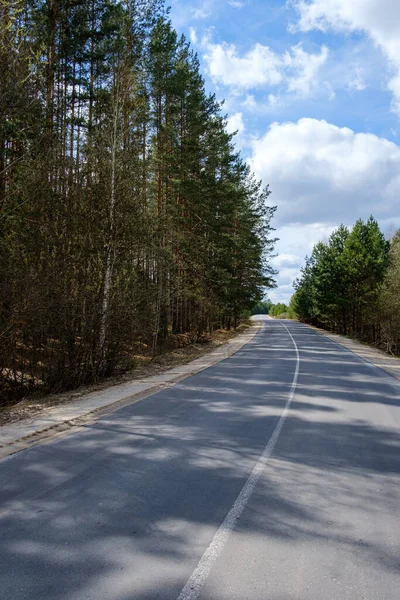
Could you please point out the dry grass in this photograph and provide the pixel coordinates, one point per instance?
(145, 366)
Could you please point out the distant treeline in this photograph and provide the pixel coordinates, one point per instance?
(280, 310)
(351, 284)
(262, 307)
(274, 310)
(126, 214)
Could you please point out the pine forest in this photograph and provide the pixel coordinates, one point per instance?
(127, 216)
(350, 284)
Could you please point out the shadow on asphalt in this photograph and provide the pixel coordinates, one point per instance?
(94, 510)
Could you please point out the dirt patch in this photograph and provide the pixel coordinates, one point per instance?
(33, 405)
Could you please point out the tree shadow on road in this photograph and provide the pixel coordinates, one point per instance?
(125, 508)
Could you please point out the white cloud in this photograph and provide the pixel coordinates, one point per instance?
(296, 241)
(260, 105)
(273, 101)
(193, 35)
(235, 123)
(200, 13)
(357, 82)
(379, 19)
(260, 66)
(286, 261)
(203, 10)
(297, 70)
(331, 173)
(321, 176)
(304, 67)
(281, 294)
(250, 102)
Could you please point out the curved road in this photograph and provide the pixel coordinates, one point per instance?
(272, 475)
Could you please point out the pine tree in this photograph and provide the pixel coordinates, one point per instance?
(126, 213)
(389, 301)
(341, 281)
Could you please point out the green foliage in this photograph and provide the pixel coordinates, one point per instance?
(388, 313)
(292, 312)
(279, 310)
(340, 284)
(126, 214)
(262, 307)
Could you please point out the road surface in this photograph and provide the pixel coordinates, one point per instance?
(272, 475)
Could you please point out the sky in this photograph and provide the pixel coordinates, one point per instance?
(313, 89)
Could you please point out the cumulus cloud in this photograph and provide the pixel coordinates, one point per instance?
(250, 102)
(193, 35)
(286, 261)
(303, 68)
(235, 123)
(260, 66)
(379, 19)
(321, 176)
(296, 241)
(260, 105)
(326, 173)
(203, 9)
(357, 82)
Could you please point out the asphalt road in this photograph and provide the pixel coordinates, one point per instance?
(272, 475)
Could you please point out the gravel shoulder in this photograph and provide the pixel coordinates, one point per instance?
(378, 358)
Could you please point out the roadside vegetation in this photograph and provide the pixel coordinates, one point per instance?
(128, 221)
(351, 285)
(262, 307)
(280, 311)
(266, 307)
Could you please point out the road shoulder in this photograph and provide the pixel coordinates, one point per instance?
(59, 420)
(378, 358)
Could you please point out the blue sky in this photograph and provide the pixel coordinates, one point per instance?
(313, 88)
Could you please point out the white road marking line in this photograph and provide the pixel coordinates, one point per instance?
(199, 576)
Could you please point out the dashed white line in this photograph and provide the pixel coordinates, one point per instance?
(199, 576)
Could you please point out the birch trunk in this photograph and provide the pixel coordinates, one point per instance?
(110, 244)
